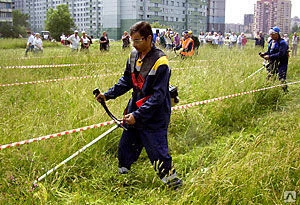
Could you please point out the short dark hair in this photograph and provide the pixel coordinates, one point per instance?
(143, 28)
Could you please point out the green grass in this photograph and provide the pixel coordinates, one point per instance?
(242, 150)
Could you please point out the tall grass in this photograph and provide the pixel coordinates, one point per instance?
(243, 150)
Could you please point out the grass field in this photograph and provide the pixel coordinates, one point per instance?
(241, 150)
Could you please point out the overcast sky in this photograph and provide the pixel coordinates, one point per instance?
(235, 9)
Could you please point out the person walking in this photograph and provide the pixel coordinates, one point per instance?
(295, 42)
(29, 45)
(232, 40)
(74, 41)
(239, 40)
(286, 38)
(104, 42)
(125, 40)
(148, 112)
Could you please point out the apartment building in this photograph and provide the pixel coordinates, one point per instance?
(216, 15)
(86, 13)
(6, 8)
(248, 23)
(269, 13)
(179, 15)
(116, 16)
(283, 16)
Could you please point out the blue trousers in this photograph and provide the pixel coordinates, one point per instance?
(156, 146)
(282, 70)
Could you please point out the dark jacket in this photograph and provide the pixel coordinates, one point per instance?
(278, 51)
(155, 113)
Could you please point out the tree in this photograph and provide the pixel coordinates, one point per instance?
(295, 28)
(59, 21)
(156, 24)
(18, 27)
(19, 23)
(20, 19)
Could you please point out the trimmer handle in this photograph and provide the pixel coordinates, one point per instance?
(96, 92)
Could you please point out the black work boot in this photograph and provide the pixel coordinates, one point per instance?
(123, 170)
(172, 181)
(284, 86)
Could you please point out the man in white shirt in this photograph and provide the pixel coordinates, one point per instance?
(232, 39)
(29, 46)
(74, 41)
(295, 42)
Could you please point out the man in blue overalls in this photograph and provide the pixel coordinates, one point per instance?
(278, 55)
(147, 115)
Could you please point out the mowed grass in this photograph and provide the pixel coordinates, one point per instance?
(241, 150)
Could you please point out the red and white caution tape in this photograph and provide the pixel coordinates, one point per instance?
(56, 135)
(112, 122)
(64, 79)
(228, 96)
(57, 80)
(47, 66)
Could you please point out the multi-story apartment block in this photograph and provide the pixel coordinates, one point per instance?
(283, 15)
(269, 13)
(178, 15)
(233, 27)
(20, 5)
(6, 7)
(216, 15)
(248, 23)
(116, 16)
(86, 13)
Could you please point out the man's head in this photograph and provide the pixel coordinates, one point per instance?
(141, 36)
(76, 32)
(185, 34)
(274, 33)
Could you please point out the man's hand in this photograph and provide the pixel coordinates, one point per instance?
(129, 119)
(99, 96)
(266, 57)
(261, 54)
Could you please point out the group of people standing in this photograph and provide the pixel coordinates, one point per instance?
(34, 43)
(85, 41)
(171, 41)
(75, 40)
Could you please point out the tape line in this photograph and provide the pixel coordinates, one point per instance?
(112, 122)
